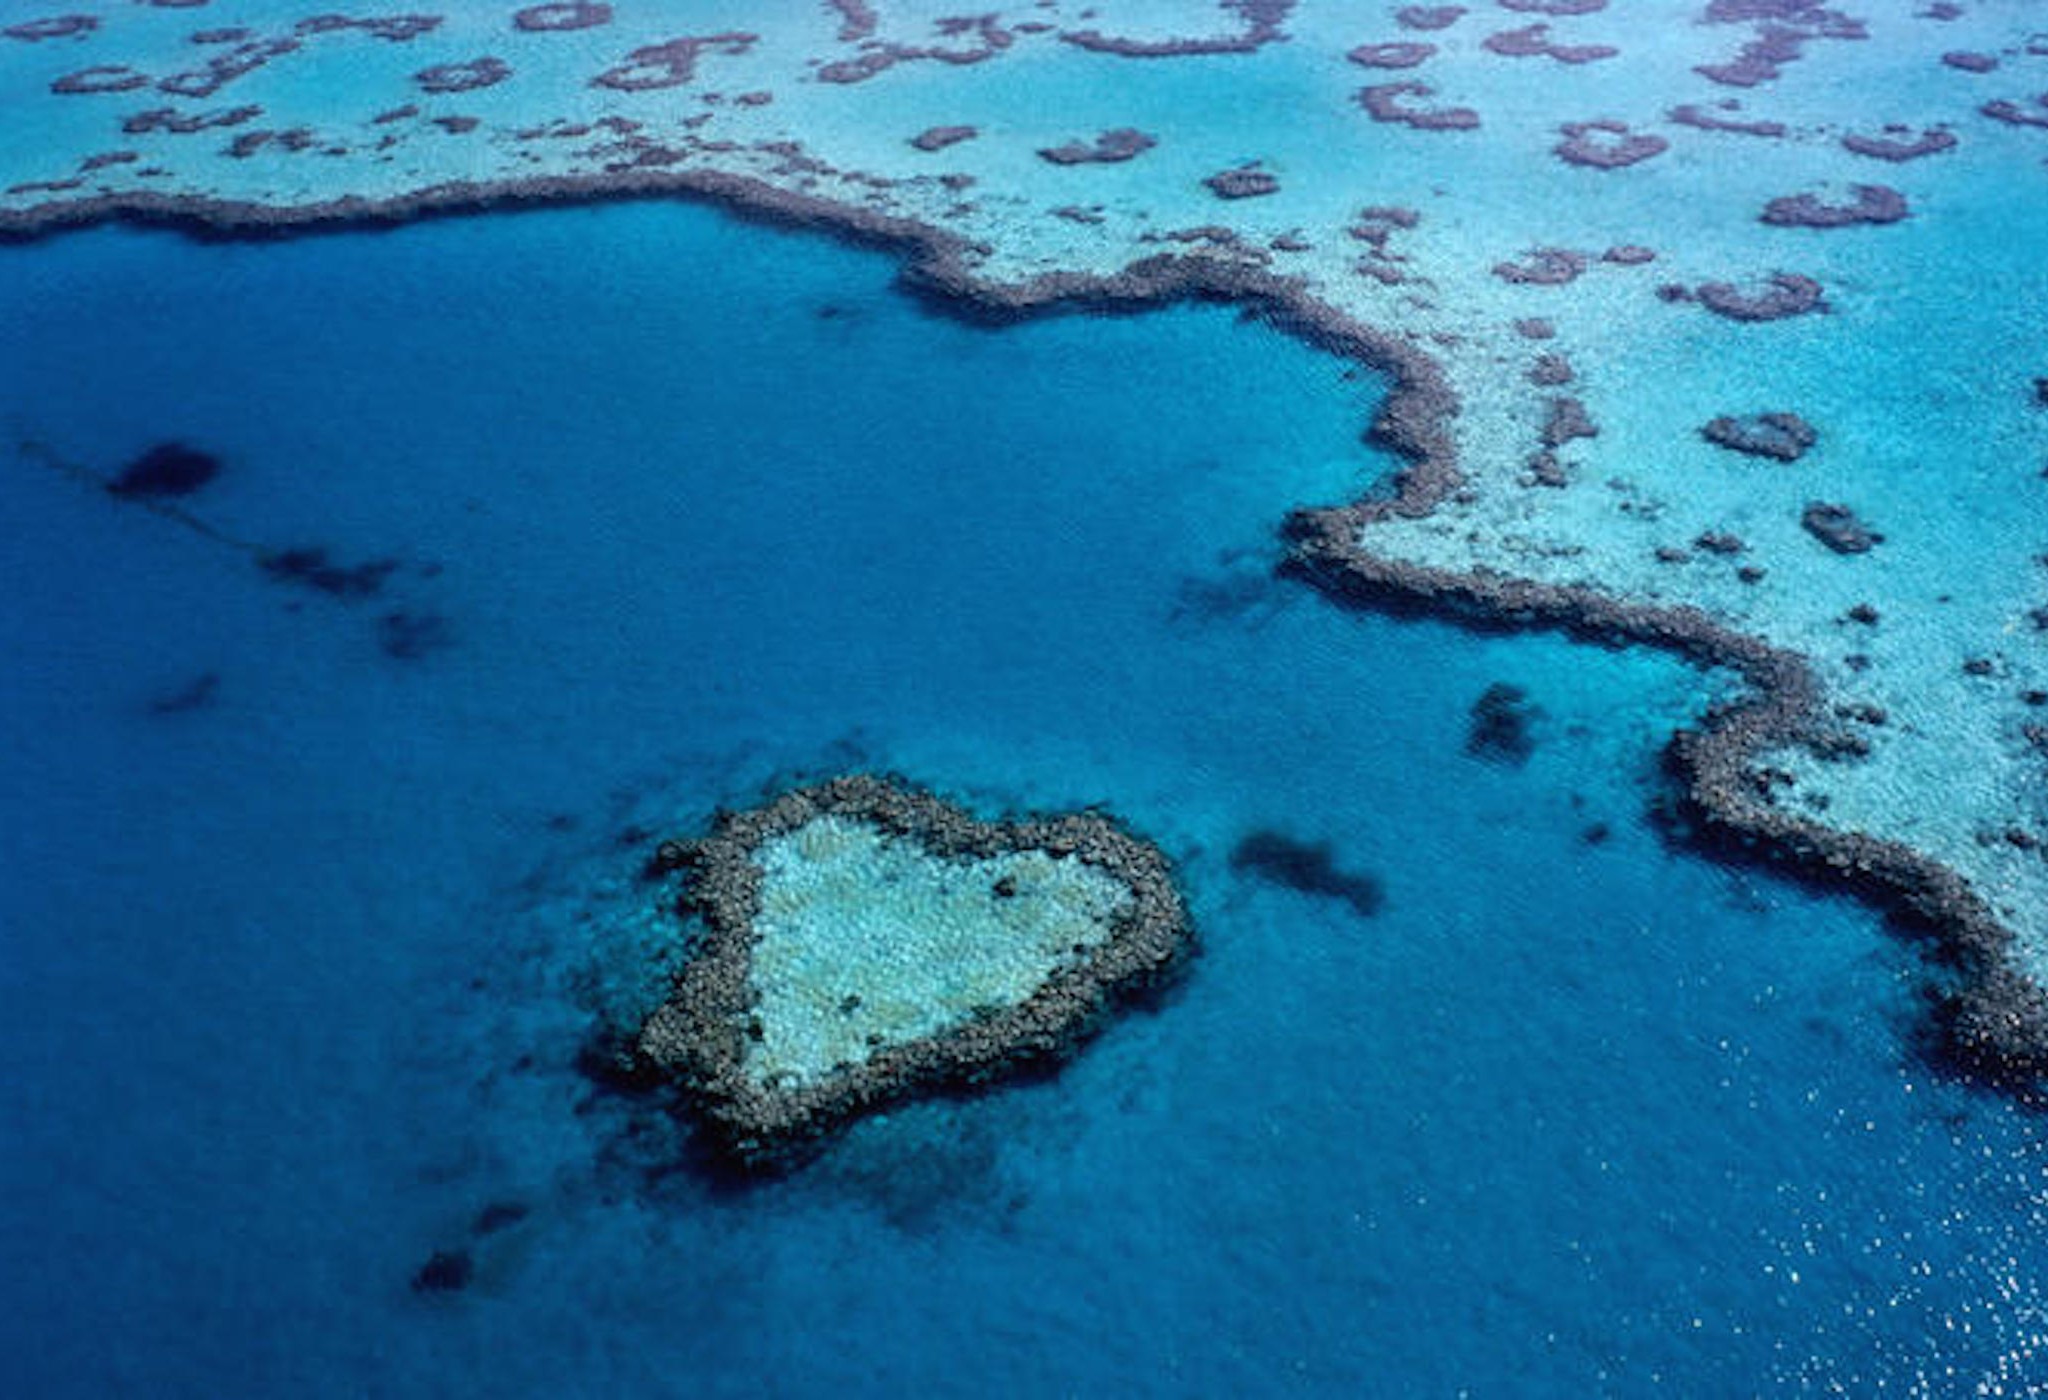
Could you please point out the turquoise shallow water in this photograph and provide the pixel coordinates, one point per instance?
(294, 979)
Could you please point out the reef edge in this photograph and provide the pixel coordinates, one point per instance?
(1992, 1024)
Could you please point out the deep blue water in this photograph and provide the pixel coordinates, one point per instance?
(292, 979)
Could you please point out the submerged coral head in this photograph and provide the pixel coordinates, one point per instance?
(167, 469)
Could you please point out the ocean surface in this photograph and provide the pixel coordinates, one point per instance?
(296, 962)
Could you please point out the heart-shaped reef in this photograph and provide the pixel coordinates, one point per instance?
(866, 942)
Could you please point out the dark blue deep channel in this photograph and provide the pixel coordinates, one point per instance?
(312, 875)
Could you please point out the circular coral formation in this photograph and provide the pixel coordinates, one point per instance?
(1784, 294)
(1262, 20)
(393, 29)
(656, 66)
(1534, 41)
(1387, 102)
(477, 73)
(105, 77)
(1428, 17)
(1873, 204)
(178, 123)
(866, 942)
(56, 27)
(1897, 144)
(549, 19)
(1391, 55)
(1606, 144)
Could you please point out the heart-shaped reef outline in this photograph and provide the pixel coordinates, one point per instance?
(1078, 906)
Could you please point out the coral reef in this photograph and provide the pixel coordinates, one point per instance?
(1783, 437)
(1308, 867)
(1385, 102)
(1111, 147)
(167, 469)
(1243, 182)
(463, 77)
(811, 999)
(1607, 144)
(543, 19)
(937, 138)
(1785, 294)
(1534, 41)
(1873, 204)
(1838, 527)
